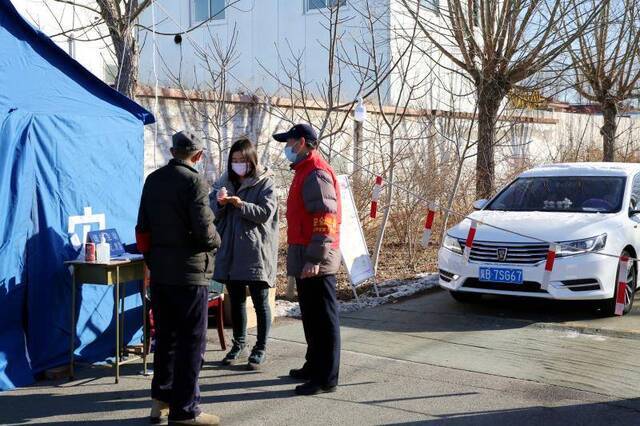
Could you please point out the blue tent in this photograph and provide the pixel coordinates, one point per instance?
(68, 142)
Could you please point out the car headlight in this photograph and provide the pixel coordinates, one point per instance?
(452, 244)
(570, 248)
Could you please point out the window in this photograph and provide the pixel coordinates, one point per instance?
(321, 4)
(635, 193)
(203, 10)
(432, 5)
(578, 194)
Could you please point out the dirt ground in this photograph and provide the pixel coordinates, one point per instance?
(394, 264)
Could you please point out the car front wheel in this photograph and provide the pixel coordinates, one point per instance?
(608, 306)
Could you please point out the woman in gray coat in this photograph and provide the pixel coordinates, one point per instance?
(246, 207)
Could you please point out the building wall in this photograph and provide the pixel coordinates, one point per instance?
(432, 74)
(242, 118)
(270, 34)
(423, 144)
(54, 18)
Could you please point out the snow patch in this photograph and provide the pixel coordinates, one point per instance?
(389, 291)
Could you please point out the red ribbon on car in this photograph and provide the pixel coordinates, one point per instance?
(623, 270)
(375, 196)
(428, 225)
(470, 236)
(548, 266)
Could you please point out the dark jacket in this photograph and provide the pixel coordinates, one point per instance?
(250, 234)
(175, 210)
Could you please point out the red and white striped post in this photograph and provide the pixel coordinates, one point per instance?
(428, 225)
(469, 242)
(623, 270)
(548, 266)
(375, 196)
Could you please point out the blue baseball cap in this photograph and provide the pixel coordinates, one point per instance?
(298, 131)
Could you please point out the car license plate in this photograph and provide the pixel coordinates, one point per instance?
(501, 275)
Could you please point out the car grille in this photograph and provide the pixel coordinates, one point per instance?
(446, 276)
(582, 285)
(526, 287)
(509, 253)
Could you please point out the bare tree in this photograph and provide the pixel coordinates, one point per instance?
(607, 62)
(315, 102)
(393, 101)
(214, 114)
(120, 17)
(326, 103)
(496, 45)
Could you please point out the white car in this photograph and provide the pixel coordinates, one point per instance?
(591, 209)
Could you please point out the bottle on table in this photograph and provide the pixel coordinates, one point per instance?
(103, 251)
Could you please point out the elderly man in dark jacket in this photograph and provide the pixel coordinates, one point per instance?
(175, 232)
(313, 256)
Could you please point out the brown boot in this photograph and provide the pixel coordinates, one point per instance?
(203, 419)
(159, 409)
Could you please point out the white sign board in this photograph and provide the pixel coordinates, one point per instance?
(353, 246)
(85, 220)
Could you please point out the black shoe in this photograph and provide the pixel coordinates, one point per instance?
(256, 359)
(310, 388)
(237, 354)
(299, 374)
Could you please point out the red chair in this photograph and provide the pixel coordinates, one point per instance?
(216, 310)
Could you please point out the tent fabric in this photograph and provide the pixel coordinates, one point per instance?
(67, 141)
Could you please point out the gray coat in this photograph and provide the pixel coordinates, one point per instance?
(249, 249)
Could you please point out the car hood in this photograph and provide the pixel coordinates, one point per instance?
(547, 226)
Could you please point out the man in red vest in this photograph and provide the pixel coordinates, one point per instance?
(313, 257)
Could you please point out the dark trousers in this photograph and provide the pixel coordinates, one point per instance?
(319, 309)
(180, 314)
(260, 296)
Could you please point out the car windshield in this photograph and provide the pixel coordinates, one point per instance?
(584, 194)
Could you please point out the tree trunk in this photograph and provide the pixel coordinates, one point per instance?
(490, 96)
(608, 130)
(127, 56)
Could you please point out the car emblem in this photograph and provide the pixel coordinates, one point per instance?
(502, 254)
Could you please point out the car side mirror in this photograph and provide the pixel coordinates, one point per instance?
(633, 212)
(480, 204)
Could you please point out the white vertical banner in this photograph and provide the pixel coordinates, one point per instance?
(353, 246)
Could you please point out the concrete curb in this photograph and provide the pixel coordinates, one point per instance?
(587, 330)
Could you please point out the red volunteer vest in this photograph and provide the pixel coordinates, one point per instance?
(301, 224)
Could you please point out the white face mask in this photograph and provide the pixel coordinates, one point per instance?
(240, 169)
(200, 166)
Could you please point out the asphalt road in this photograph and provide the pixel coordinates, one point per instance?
(426, 360)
